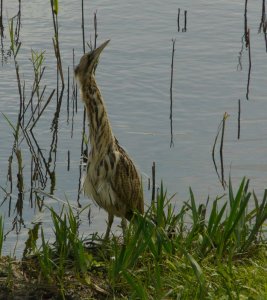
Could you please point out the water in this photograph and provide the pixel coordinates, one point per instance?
(134, 76)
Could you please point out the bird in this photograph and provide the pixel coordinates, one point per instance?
(111, 179)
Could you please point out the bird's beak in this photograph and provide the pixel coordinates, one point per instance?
(98, 50)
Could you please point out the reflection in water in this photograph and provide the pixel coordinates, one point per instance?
(37, 60)
(18, 220)
(43, 166)
(14, 33)
(42, 169)
(15, 44)
(18, 24)
(221, 128)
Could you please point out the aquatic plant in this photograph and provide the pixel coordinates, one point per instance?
(218, 247)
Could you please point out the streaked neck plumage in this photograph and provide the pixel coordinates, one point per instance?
(100, 132)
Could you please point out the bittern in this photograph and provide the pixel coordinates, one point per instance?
(112, 180)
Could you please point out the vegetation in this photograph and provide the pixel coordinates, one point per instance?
(215, 250)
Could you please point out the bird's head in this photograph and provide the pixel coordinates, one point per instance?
(88, 63)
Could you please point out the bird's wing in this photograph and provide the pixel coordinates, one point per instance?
(126, 183)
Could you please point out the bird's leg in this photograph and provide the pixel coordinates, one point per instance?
(124, 226)
(110, 221)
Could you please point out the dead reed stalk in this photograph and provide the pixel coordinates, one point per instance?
(239, 114)
(171, 96)
(153, 182)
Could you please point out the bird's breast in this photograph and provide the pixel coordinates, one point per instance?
(97, 184)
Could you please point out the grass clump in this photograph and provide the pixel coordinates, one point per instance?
(165, 255)
(215, 250)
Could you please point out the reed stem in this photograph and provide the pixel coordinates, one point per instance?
(171, 96)
(239, 114)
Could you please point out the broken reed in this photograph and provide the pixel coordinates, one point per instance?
(249, 60)
(95, 28)
(74, 93)
(263, 24)
(83, 34)
(68, 167)
(221, 150)
(68, 96)
(246, 22)
(171, 96)
(247, 40)
(1, 19)
(185, 21)
(153, 182)
(239, 114)
(178, 20)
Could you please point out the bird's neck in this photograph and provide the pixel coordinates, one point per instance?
(100, 132)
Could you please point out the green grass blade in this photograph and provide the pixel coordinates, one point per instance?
(137, 286)
(193, 207)
(9, 122)
(55, 7)
(198, 272)
(261, 217)
(236, 217)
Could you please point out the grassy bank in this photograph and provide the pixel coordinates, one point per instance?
(215, 250)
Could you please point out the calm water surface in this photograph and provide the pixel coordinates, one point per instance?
(134, 75)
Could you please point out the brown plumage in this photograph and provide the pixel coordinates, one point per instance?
(112, 180)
